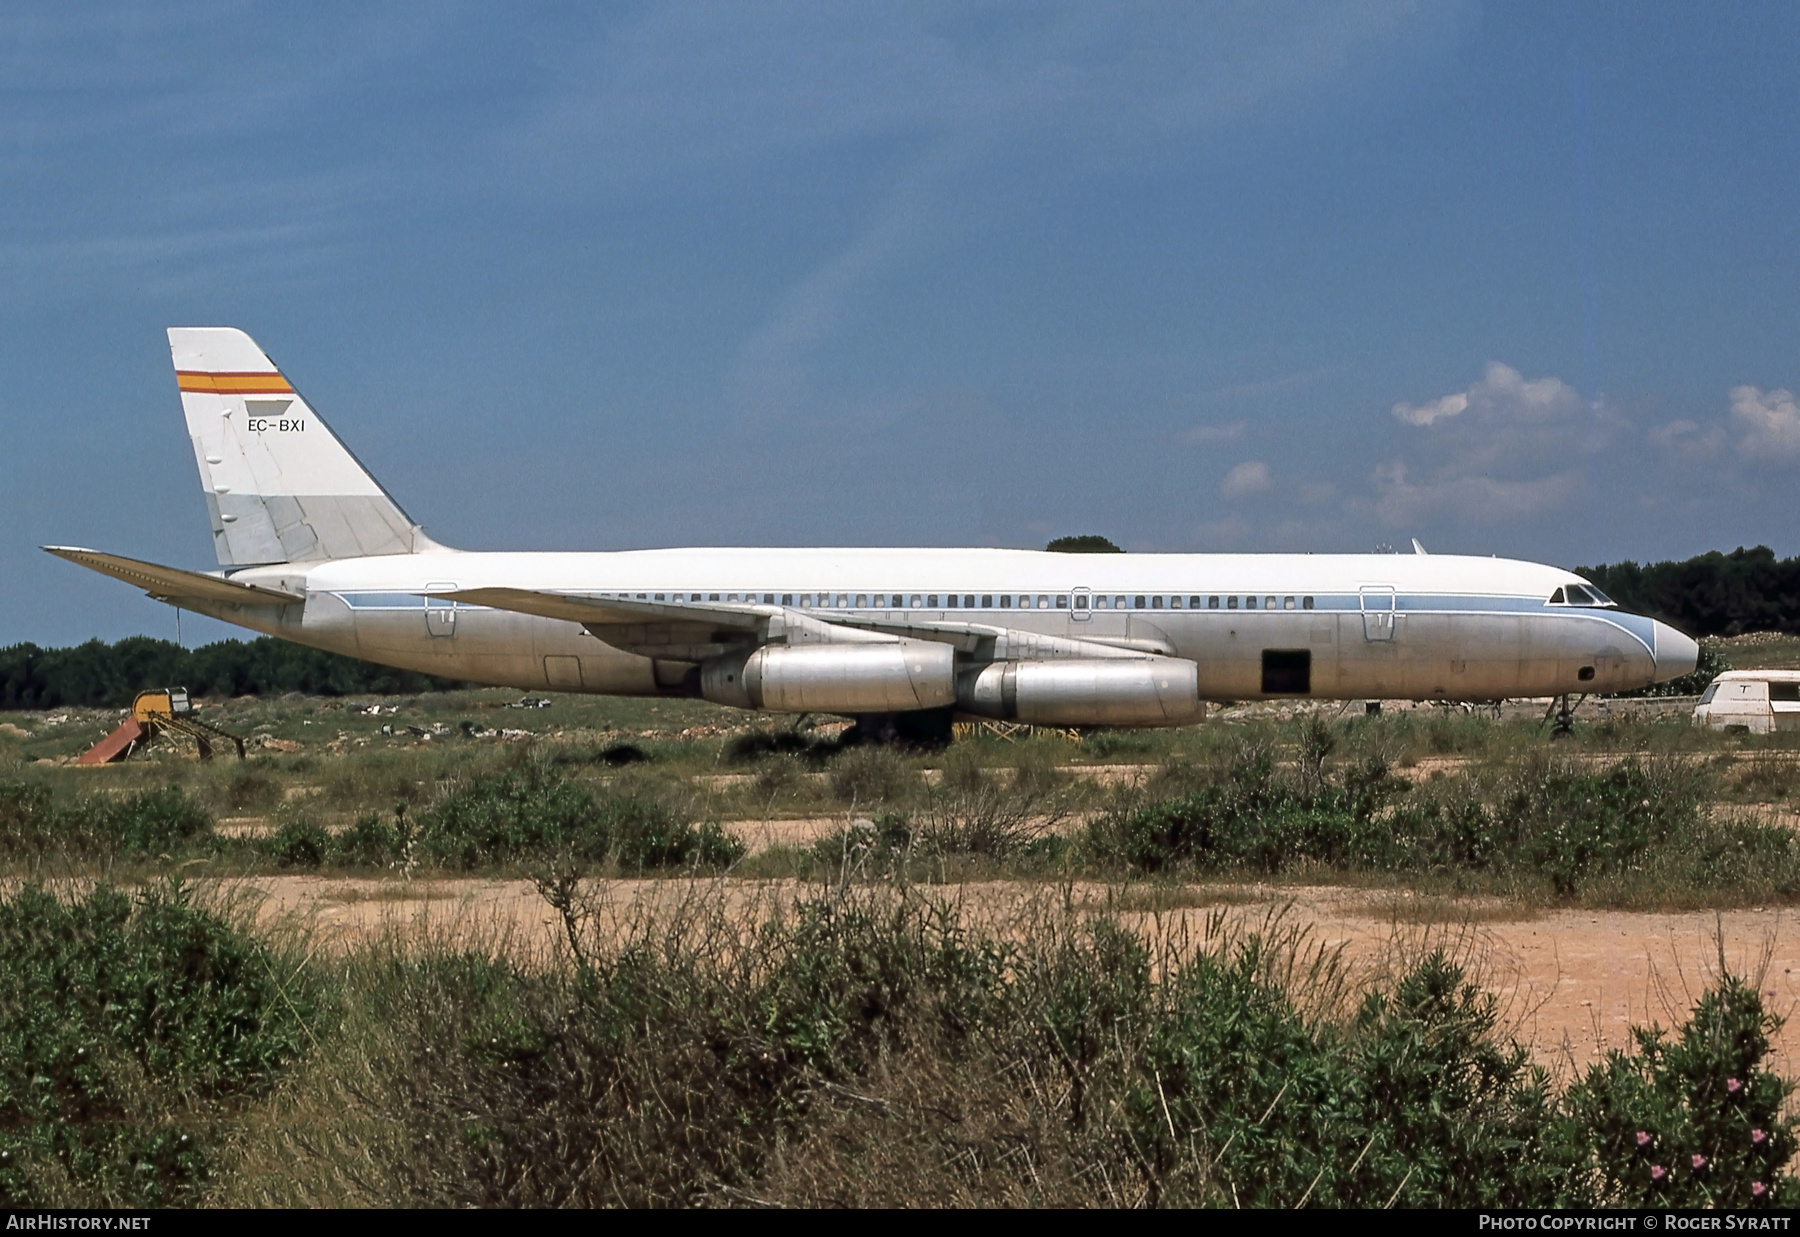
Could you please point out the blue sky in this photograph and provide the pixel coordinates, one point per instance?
(1512, 279)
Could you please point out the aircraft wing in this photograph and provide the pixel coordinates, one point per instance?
(172, 583)
(579, 609)
(696, 630)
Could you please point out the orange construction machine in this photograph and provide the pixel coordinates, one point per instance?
(159, 714)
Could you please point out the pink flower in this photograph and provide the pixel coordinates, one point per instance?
(1658, 1172)
(1733, 1086)
(1758, 1137)
(1698, 1161)
(1758, 1189)
(1643, 1139)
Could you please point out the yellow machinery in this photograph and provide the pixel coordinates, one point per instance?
(156, 714)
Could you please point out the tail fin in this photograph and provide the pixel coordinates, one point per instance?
(279, 485)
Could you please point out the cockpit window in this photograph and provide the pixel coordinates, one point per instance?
(1580, 595)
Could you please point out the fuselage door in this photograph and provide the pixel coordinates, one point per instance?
(1378, 612)
(1081, 605)
(440, 615)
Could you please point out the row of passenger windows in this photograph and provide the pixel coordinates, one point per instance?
(995, 601)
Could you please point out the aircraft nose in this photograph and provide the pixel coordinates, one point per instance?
(1676, 654)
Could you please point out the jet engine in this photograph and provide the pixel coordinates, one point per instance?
(896, 677)
(1151, 691)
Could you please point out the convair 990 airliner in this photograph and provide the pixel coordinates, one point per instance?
(313, 550)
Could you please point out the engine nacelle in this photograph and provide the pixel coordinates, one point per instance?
(1151, 691)
(834, 678)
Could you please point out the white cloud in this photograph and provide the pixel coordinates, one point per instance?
(1436, 410)
(1250, 477)
(1769, 422)
(1502, 391)
(1686, 438)
(1508, 447)
(1202, 434)
(1483, 500)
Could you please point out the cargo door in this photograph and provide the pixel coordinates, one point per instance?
(1378, 612)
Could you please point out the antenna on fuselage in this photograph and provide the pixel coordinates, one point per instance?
(1417, 548)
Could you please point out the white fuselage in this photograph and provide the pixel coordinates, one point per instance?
(1439, 627)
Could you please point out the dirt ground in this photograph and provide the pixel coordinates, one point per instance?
(1570, 983)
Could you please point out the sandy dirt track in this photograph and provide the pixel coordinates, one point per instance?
(1570, 983)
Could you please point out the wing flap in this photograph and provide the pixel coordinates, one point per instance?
(173, 583)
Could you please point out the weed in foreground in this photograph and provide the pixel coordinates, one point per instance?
(131, 1029)
(876, 1047)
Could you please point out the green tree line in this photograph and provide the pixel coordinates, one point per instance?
(1712, 594)
(101, 674)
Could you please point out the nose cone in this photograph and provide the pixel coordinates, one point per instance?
(1676, 655)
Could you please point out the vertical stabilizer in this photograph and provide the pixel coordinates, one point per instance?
(279, 485)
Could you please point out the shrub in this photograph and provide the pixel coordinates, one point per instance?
(645, 834)
(151, 822)
(1693, 1122)
(124, 1025)
(27, 823)
(512, 815)
(527, 812)
(370, 842)
(1575, 826)
(300, 844)
(1248, 819)
(868, 775)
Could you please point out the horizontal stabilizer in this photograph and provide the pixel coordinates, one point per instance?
(172, 583)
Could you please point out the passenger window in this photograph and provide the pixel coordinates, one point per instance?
(806, 600)
(1156, 603)
(1081, 603)
(1268, 603)
(931, 601)
(1005, 601)
(1287, 603)
(1174, 603)
(1231, 602)
(1137, 603)
(660, 597)
(915, 601)
(1118, 603)
(1306, 603)
(1024, 602)
(862, 601)
(899, 602)
(787, 599)
(987, 601)
(1043, 602)
(1212, 603)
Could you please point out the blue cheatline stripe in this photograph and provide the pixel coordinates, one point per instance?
(1635, 625)
(383, 601)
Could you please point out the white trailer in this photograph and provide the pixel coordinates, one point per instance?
(1757, 701)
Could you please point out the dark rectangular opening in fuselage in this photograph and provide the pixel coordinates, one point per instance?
(1287, 672)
